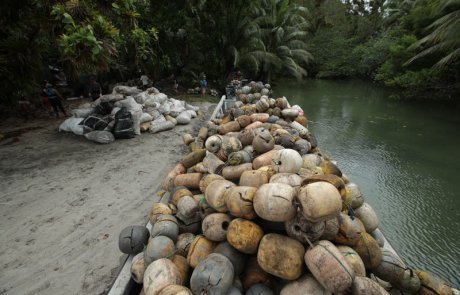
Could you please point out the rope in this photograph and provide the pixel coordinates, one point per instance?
(338, 260)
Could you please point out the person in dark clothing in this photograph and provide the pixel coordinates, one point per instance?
(46, 104)
(94, 89)
(54, 98)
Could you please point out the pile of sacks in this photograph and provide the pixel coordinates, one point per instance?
(127, 112)
(255, 208)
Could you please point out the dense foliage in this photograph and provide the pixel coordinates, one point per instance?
(411, 44)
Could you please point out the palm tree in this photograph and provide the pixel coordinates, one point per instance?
(276, 40)
(444, 38)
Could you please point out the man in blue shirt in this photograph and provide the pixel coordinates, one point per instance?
(203, 85)
(54, 98)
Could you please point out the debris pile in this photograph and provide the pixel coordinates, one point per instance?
(127, 112)
(255, 208)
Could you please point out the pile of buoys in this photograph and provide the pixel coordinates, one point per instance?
(255, 208)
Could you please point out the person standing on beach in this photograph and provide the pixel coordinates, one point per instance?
(203, 84)
(54, 98)
(44, 97)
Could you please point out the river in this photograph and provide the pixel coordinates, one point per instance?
(405, 157)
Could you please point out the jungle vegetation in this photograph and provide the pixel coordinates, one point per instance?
(409, 44)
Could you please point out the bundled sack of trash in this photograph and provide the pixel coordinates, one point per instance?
(255, 208)
(149, 110)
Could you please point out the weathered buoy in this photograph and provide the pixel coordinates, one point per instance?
(330, 178)
(207, 179)
(261, 117)
(391, 268)
(246, 136)
(310, 161)
(239, 201)
(369, 250)
(303, 230)
(303, 131)
(254, 274)
(287, 161)
(232, 126)
(167, 226)
(183, 243)
(263, 160)
(234, 172)
(366, 286)
(213, 143)
(331, 229)
(291, 179)
(213, 275)
(281, 256)
(183, 267)
(368, 217)
(274, 202)
(138, 268)
(263, 141)
(158, 247)
(350, 229)
(187, 207)
(254, 178)
(132, 239)
(259, 289)
(240, 157)
(244, 120)
(237, 258)
(215, 194)
(193, 158)
(330, 168)
(189, 180)
(289, 114)
(281, 102)
(432, 285)
(160, 274)
(329, 267)
(168, 181)
(175, 290)
(199, 250)
(306, 284)
(353, 259)
(213, 164)
(302, 146)
(410, 283)
(230, 145)
(378, 236)
(319, 201)
(352, 191)
(215, 226)
(244, 235)
(159, 209)
(178, 192)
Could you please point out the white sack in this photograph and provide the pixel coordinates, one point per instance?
(72, 125)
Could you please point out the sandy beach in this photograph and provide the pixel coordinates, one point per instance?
(64, 201)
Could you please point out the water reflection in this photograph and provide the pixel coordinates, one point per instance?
(404, 157)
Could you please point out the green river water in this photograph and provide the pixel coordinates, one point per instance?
(405, 157)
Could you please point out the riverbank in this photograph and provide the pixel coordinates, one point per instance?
(66, 199)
